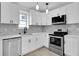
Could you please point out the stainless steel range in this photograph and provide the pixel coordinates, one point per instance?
(57, 42)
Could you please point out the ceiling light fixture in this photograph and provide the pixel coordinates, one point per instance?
(37, 6)
(46, 11)
(47, 8)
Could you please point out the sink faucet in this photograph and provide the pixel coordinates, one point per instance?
(25, 30)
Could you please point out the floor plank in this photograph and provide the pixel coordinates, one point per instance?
(42, 52)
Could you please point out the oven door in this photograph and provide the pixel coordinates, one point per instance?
(56, 42)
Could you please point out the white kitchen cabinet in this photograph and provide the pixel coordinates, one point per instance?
(72, 12)
(43, 20)
(9, 13)
(49, 19)
(12, 47)
(26, 42)
(30, 43)
(35, 17)
(39, 18)
(45, 39)
(1, 50)
(14, 13)
(61, 11)
(38, 41)
(54, 13)
(71, 46)
(46, 19)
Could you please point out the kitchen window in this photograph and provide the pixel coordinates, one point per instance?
(23, 20)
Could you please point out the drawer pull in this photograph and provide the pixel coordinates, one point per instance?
(29, 41)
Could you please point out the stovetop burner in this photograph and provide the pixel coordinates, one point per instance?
(56, 35)
(61, 34)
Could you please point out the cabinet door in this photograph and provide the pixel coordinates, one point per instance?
(15, 47)
(72, 13)
(12, 47)
(44, 18)
(5, 12)
(39, 18)
(9, 13)
(45, 39)
(26, 44)
(38, 41)
(61, 11)
(1, 48)
(6, 48)
(33, 17)
(71, 45)
(48, 19)
(14, 11)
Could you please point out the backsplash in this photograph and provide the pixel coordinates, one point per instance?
(32, 29)
(6, 29)
(72, 28)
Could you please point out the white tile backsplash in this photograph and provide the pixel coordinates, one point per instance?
(6, 29)
(72, 28)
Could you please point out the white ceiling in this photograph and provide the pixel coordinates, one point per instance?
(51, 6)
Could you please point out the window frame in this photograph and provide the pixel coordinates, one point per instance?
(22, 12)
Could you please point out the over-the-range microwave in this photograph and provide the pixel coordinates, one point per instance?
(59, 19)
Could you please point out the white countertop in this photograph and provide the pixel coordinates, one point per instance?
(17, 35)
(9, 36)
(71, 35)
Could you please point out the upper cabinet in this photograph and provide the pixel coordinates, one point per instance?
(57, 12)
(48, 19)
(72, 12)
(39, 18)
(9, 13)
(43, 20)
(35, 17)
(61, 11)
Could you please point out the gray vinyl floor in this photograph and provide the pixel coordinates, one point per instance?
(42, 52)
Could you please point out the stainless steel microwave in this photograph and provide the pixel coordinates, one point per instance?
(59, 19)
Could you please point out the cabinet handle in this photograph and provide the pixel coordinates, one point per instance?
(36, 39)
(29, 41)
(12, 21)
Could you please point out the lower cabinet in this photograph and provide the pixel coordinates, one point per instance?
(1, 48)
(38, 41)
(28, 44)
(71, 46)
(45, 39)
(10, 47)
(31, 43)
